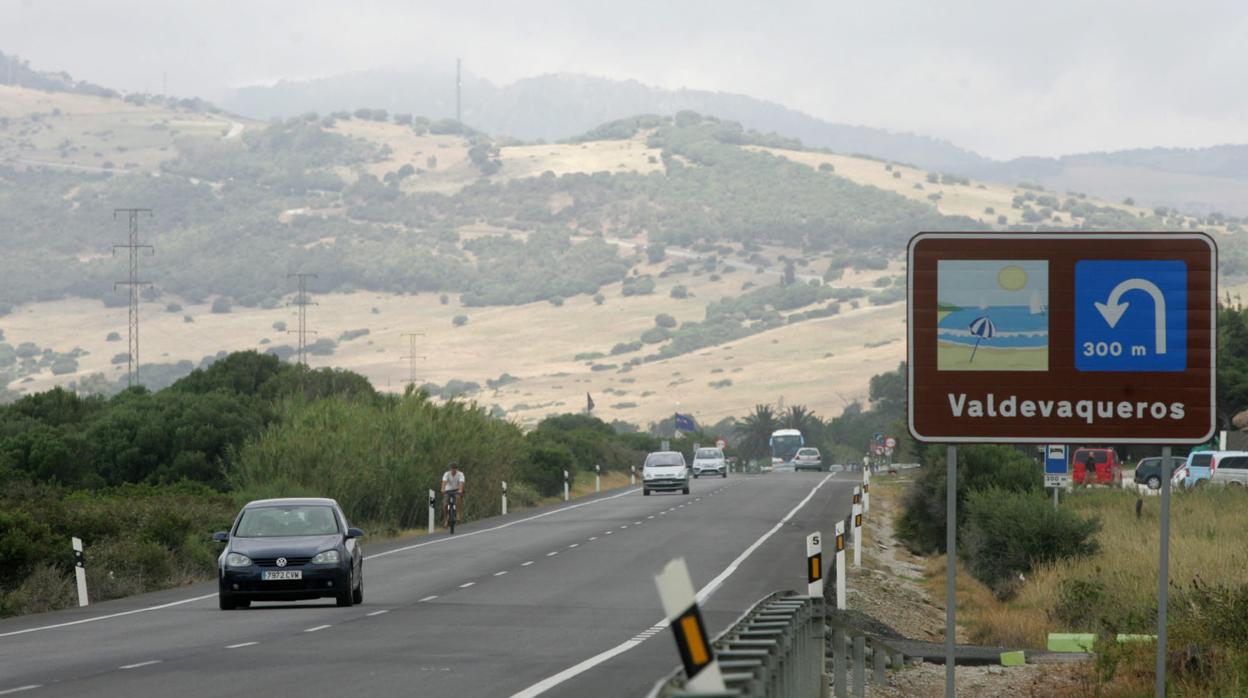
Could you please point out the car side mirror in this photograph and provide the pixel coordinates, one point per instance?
(354, 533)
(221, 536)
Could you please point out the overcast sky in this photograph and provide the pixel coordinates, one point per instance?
(1002, 78)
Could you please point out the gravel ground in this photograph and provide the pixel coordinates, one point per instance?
(888, 588)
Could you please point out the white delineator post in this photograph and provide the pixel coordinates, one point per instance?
(814, 565)
(566, 495)
(680, 605)
(80, 571)
(840, 565)
(857, 535)
(597, 478)
(504, 497)
(866, 491)
(632, 475)
(433, 498)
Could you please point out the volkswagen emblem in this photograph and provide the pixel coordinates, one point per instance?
(281, 562)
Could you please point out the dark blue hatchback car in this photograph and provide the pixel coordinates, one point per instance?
(290, 549)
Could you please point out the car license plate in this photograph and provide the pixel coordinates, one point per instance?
(274, 575)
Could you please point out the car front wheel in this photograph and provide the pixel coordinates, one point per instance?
(686, 490)
(226, 602)
(1153, 482)
(357, 596)
(645, 491)
(345, 598)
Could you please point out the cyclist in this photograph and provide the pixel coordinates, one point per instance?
(452, 486)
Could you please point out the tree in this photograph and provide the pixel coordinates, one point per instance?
(222, 304)
(664, 320)
(680, 291)
(755, 432)
(790, 273)
(655, 252)
(599, 298)
(802, 419)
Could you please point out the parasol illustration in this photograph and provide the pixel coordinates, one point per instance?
(982, 328)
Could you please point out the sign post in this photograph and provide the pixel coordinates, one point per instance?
(866, 491)
(504, 497)
(1058, 338)
(432, 516)
(814, 565)
(565, 486)
(1056, 469)
(597, 478)
(681, 607)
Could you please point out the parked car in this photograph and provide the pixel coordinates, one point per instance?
(1197, 469)
(1148, 471)
(1108, 469)
(1230, 469)
(709, 461)
(1201, 471)
(664, 471)
(808, 458)
(287, 550)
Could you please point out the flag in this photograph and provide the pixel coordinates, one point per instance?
(685, 423)
(589, 403)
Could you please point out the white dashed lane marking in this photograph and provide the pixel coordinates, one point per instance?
(378, 613)
(241, 644)
(465, 585)
(147, 663)
(319, 627)
(430, 598)
(500, 573)
(526, 564)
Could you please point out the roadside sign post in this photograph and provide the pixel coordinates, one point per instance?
(80, 571)
(840, 565)
(432, 516)
(1061, 338)
(1056, 469)
(680, 604)
(857, 535)
(814, 565)
(504, 497)
(866, 491)
(565, 486)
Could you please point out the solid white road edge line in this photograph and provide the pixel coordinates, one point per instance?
(140, 664)
(366, 557)
(551, 681)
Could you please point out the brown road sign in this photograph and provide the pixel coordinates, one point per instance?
(1062, 337)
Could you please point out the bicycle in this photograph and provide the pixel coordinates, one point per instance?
(452, 510)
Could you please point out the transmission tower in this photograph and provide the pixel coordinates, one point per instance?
(302, 301)
(133, 248)
(411, 356)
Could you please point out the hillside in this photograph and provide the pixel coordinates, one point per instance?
(655, 263)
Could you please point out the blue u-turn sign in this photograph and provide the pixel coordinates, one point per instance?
(1130, 315)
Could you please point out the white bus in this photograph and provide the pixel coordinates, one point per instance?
(784, 444)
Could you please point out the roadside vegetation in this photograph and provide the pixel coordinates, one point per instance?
(145, 478)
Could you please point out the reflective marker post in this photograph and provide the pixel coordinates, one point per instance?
(432, 516)
(840, 565)
(866, 491)
(857, 535)
(814, 565)
(681, 607)
(80, 571)
(632, 475)
(565, 485)
(597, 478)
(504, 497)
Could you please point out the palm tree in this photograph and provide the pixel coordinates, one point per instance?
(802, 419)
(755, 432)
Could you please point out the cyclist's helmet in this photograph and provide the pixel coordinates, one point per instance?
(453, 465)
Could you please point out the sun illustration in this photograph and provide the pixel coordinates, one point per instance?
(1012, 278)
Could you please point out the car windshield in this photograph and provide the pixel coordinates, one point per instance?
(658, 459)
(1097, 456)
(302, 520)
(709, 453)
(808, 452)
(1201, 460)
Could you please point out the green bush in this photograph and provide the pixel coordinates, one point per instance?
(922, 522)
(1005, 533)
(545, 464)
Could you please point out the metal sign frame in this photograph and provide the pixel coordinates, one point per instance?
(1023, 433)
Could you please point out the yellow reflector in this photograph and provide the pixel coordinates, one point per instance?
(693, 636)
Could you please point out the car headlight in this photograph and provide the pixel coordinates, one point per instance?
(329, 557)
(236, 560)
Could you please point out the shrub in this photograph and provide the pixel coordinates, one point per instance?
(459, 320)
(1005, 533)
(353, 334)
(113, 337)
(655, 252)
(664, 320)
(826, 167)
(680, 291)
(545, 465)
(654, 335)
(599, 298)
(280, 326)
(222, 304)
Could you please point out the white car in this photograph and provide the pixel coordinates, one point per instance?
(808, 458)
(1232, 470)
(665, 471)
(709, 461)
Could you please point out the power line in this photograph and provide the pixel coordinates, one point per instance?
(411, 355)
(302, 301)
(133, 247)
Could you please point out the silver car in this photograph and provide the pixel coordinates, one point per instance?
(709, 461)
(808, 458)
(1231, 470)
(665, 471)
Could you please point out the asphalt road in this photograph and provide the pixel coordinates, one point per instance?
(558, 601)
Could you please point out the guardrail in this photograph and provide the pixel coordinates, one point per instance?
(775, 649)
